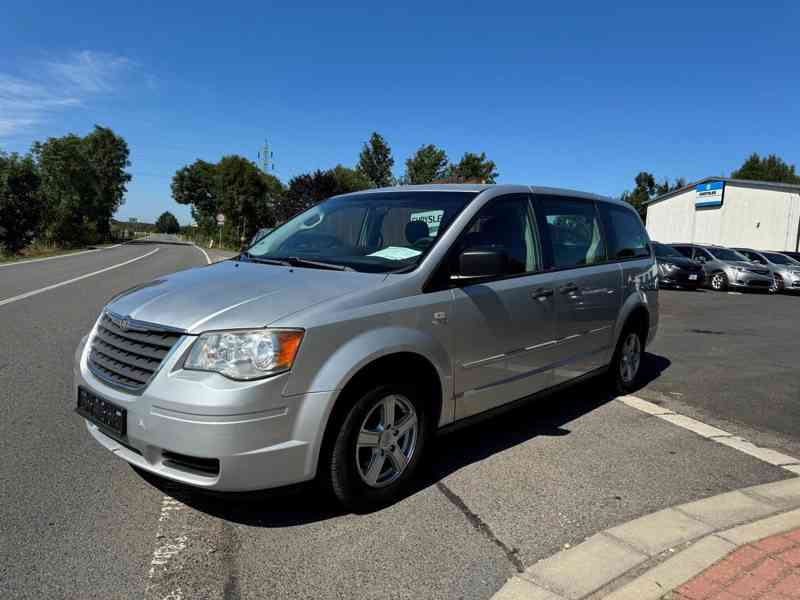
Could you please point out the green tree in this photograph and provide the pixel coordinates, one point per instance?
(645, 189)
(68, 187)
(21, 203)
(349, 180)
(196, 185)
(167, 223)
(375, 161)
(665, 186)
(107, 154)
(307, 190)
(770, 168)
(473, 168)
(428, 164)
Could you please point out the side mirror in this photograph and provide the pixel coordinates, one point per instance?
(474, 263)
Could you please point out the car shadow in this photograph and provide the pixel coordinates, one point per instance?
(547, 416)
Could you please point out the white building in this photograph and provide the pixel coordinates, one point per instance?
(729, 212)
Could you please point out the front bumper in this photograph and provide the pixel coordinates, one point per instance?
(747, 280)
(258, 437)
(681, 278)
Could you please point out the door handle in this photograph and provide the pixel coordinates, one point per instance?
(541, 294)
(568, 288)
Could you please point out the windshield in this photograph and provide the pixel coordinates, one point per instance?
(780, 259)
(664, 251)
(727, 254)
(372, 232)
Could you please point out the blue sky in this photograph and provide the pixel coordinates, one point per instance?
(571, 94)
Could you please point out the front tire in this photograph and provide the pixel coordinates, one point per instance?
(719, 282)
(627, 361)
(777, 284)
(378, 447)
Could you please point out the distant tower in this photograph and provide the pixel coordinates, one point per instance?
(265, 158)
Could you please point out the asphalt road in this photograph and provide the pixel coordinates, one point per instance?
(76, 522)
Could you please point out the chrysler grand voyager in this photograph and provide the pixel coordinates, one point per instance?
(337, 345)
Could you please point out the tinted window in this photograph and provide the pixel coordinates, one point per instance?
(505, 224)
(726, 254)
(780, 259)
(703, 253)
(685, 250)
(753, 256)
(664, 251)
(573, 232)
(626, 235)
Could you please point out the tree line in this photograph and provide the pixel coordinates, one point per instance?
(63, 191)
(251, 199)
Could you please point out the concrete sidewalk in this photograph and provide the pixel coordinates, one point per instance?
(741, 544)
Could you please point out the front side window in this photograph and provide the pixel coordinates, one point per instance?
(372, 232)
(664, 251)
(505, 224)
(573, 231)
(780, 259)
(753, 256)
(685, 250)
(726, 254)
(627, 237)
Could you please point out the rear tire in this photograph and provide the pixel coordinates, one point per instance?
(625, 368)
(719, 281)
(377, 447)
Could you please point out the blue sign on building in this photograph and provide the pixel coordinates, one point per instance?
(709, 194)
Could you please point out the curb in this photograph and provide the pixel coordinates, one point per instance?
(645, 558)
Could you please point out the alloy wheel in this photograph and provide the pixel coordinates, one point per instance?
(718, 281)
(630, 358)
(386, 440)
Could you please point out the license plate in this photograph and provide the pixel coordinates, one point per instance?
(692, 277)
(101, 412)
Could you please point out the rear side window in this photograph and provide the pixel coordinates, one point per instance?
(626, 235)
(573, 231)
(685, 250)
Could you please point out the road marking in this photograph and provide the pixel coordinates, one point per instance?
(208, 258)
(714, 434)
(171, 541)
(35, 260)
(73, 280)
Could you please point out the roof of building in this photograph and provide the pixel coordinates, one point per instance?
(781, 187)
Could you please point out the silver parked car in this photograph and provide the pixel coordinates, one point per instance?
(725, 268)
(785, 270)
(338, 345)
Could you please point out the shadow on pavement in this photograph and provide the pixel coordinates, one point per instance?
(450, 452)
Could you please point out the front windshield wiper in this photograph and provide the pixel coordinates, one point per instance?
(266, 261)
(297, 261)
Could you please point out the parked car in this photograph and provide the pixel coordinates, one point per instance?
(343, 341)
(675, 270)
(785, 270)
(725, 268)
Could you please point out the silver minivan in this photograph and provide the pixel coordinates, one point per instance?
(341, 342)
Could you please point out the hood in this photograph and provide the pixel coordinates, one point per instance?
(746, 264)
(682, 262)
(235, 295)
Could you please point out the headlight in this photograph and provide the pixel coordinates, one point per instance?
(245, 354)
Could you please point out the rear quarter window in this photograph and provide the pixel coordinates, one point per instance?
(627, 237)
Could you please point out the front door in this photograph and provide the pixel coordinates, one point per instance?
(504, 327)
(587, 286)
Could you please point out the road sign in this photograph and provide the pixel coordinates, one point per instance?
(220, 219)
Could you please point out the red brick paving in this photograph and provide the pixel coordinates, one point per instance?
(768, 569)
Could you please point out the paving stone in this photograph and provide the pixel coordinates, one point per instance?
(727, 510)
(654, 533)
(784, 493)
(744, 534)
(585, 568)
(517, 588)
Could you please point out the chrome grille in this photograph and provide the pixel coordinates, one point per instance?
(127, 354)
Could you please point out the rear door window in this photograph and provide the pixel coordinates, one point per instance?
(626, 235)
(573, 232)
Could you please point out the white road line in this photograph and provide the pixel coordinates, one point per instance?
(171, 541)
(73, 280)
(208, 258)
(35, 260)
(714, 434)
